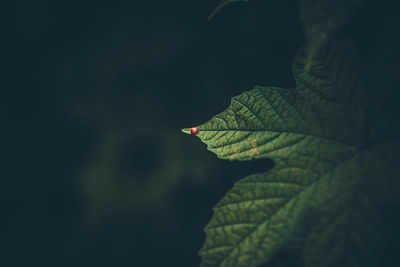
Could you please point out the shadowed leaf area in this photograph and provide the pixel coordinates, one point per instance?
(333, 169)
(321, 19)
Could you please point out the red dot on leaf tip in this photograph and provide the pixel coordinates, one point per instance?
(194, 130)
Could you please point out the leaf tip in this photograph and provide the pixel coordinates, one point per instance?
(186, 130)
(193, 130)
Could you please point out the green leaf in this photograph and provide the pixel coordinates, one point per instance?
(330, 173)
(221, 4)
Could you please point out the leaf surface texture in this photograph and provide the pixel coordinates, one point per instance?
(323, 189)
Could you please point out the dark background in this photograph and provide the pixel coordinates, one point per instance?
(96, 170)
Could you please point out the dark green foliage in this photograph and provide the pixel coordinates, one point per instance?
(326, 169)
(334, 167)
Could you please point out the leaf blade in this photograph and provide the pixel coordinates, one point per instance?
(318, 129)
(243, 239)
(221, 4)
